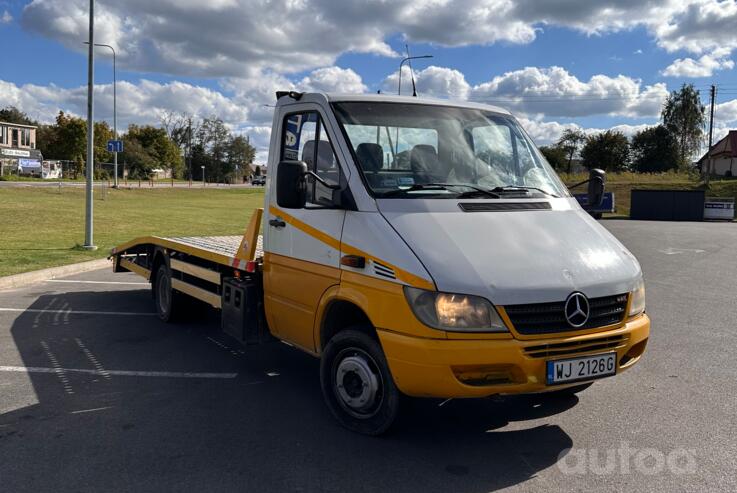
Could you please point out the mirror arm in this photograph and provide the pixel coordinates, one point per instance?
(582, 183)
(318, 178)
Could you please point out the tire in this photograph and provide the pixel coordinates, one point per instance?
(356, 383)
(167, 300)
(570, 391)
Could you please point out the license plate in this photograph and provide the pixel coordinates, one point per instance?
(586, 368)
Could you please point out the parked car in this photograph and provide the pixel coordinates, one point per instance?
(259, 180)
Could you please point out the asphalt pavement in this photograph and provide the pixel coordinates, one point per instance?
(97, 395)
(123, 184)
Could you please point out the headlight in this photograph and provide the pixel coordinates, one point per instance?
(637, 304)
(454, 312)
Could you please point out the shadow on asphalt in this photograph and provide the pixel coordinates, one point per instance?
(265, 430)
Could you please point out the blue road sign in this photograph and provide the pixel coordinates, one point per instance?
(114, 146)
(607, 205)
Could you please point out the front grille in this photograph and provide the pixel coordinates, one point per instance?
(549, 318)
(577, 347)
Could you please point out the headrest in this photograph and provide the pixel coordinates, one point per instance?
(325, 159)
(370, 156)
(423, 160)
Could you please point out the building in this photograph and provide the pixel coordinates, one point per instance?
(18, 151)
(721, 160)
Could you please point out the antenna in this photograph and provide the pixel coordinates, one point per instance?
(411, 72)
(407, 60)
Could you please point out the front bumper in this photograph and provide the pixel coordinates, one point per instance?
(477, 368)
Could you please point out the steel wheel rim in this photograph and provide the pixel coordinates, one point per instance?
(357, 383)
(164, 293)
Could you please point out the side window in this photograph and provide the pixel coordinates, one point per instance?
(305, 139)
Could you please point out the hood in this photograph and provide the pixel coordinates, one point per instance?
(514, 257)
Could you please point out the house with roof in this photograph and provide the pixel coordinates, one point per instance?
(721, 160)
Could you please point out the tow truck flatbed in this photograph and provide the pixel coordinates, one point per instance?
(197, 265)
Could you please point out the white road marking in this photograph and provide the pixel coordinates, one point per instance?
(80, 281)
(227, 348)
(92, 359)
(90, 410)
(677, 251)
(121, 373)
(76, 312)
(60, 372)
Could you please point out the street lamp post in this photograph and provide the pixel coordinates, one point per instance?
(115, 109)
(203, 176)
(88, 235)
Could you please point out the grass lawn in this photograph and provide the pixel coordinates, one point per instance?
(622, 185)
(41, 227)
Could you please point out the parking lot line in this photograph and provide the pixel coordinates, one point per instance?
(74, 312)
(121, 373)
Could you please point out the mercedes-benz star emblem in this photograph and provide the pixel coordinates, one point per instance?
(577, 310)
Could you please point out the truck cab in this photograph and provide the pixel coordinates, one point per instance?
(437, 231)
(424, 248)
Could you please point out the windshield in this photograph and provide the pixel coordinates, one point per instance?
(415, 150)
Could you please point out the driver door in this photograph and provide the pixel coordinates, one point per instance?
(302, 246)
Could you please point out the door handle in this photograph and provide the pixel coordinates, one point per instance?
(277, 223)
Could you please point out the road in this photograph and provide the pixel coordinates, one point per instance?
(98, 395)
(129, 184)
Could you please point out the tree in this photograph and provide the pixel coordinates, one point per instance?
(157, 144)
(571, 141)
(71, 137)
(606, 150)
(11, 114)
(47, 141)
(556, 156)
(240, 155)
(136, 159)
(654, 149)
(685, 117)
(103, 133)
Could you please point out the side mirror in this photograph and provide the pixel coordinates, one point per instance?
(597, 179)
(291, 187)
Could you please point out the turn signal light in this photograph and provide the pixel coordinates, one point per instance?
(355, 261)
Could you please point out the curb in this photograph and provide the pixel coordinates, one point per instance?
(36, 276)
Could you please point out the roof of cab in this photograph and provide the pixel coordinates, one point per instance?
(388, 98)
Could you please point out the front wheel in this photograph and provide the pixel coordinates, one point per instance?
(357, 384)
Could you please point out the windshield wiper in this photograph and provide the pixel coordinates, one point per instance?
(444, 186)
(520, 188)
(414, 188)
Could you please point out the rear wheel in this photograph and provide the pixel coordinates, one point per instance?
(167, 300)
(357, 384)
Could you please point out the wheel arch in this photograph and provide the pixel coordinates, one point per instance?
(338, 314)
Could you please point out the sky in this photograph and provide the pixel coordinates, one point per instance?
(590, 64)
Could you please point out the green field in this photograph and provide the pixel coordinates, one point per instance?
(43, 227)
(622, 185)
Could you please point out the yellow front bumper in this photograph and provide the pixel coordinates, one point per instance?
(447, 368)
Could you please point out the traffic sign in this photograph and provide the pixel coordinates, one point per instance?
(114, 146)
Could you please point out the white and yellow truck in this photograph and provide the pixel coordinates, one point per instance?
(417, 247)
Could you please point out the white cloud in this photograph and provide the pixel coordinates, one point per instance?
(726, 112)
(432, 81)
(6, 18)
(141, 103)
(551, 91)
(703, 67)
(239, 38)
(554, 91)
